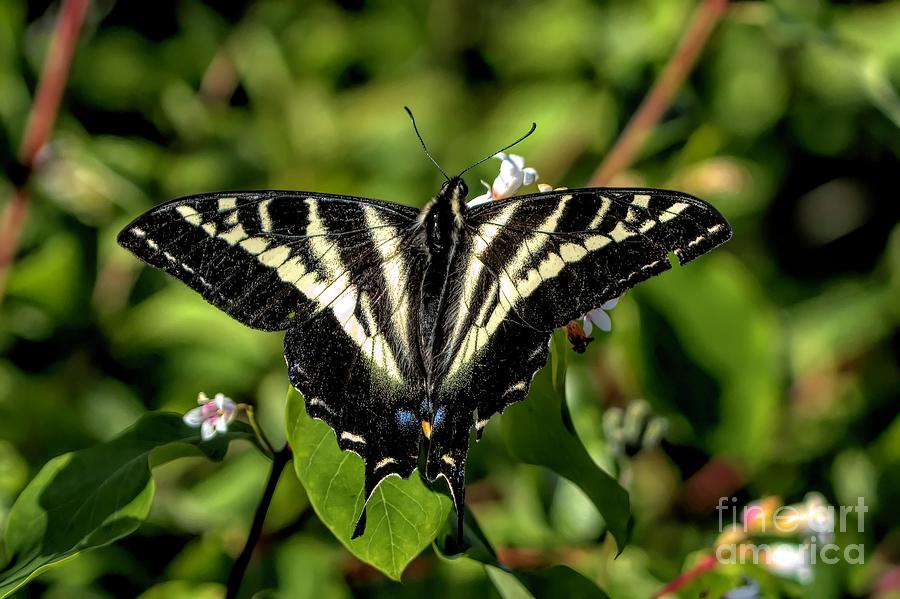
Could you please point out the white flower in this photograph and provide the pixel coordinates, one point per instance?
(750, 590)
(482, 199)
(213, 416)
(513, 175)
(789, 560)
(599, 318)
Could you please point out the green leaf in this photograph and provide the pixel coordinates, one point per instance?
(561, 581)
(548, 582)
(89, 498)
(538, 431)
(555, 581)
(182, 589)
(404, 516)
(475, 545)
(507, 584)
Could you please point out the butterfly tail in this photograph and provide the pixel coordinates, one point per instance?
(447, 460)
(360, 525)
(372, 480)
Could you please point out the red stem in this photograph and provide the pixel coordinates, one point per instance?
(657, 101)
(44, 109)
(706, 564)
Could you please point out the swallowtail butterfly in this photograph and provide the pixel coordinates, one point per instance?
(407, 326)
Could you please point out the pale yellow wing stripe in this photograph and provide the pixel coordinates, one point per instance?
(534, 243)
(483, 238)
(387, 240)
(375, 347)
(265, 219)
(605, 204)
(480, 244)
(328, 285)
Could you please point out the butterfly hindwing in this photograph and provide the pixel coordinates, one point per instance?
(355, 364)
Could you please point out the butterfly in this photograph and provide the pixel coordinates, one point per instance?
(408, 328)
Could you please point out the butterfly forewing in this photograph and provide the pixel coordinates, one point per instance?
(269, 258)
(557, 255)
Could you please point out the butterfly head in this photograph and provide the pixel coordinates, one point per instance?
(454, 190)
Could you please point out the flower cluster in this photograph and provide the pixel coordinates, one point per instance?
(633, 429)
(812, 522)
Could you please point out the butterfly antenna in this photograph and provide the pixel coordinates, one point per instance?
(422, 141)
(488, 157)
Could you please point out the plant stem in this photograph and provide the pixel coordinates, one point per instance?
(706, 564)
(264, 444)
(657, 101)
(279, 461)
(44, 109)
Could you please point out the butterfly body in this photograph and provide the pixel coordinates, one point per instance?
(410, 327)
(444, 222)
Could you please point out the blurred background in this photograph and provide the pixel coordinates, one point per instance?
(773, 362)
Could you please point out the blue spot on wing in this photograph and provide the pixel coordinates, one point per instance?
(406, 419)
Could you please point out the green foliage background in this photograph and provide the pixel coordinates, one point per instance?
(774, 359)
